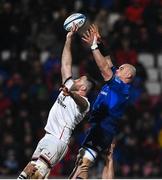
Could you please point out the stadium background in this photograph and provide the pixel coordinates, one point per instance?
(31, 41)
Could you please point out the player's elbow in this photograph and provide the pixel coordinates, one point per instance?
(106, 73)
(103, 66)
(109, 62)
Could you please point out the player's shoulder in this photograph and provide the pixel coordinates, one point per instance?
(114, 80)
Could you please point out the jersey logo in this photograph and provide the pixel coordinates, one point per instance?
(104, 93)
(60, 101)
(47, 154)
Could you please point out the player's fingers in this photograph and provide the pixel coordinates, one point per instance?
(88, 32)
(34, 170)
(91, 34)
(34, 165)
(66, 89)
(75, 28)
(61, 88)
(85, 36)
(95, 27)
(91, 28)
(85, 39)
(65, 94)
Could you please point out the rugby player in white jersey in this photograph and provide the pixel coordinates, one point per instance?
(68, 110)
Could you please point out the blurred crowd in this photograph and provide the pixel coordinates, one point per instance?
(32, 38)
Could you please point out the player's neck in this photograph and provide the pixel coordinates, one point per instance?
(125, 80)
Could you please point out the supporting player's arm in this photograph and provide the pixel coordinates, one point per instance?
(28, 171)
(92, 37)
(66, 60)
(108, 170)
(79, 100)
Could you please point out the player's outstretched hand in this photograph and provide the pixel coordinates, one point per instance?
(30, 169)
(72, 31)
(88, 36)
(94, 29)
(65, 90)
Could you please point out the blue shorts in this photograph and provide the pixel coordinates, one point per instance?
(98, 139)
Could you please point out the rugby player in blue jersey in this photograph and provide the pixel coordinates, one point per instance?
(108, 107)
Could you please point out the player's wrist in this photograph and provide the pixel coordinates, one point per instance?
(94, 43)
(69, 36)
(69, 39)
(94, 46)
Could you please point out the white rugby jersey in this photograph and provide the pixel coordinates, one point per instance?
(64, 115)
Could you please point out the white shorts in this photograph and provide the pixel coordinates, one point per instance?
(51, 149)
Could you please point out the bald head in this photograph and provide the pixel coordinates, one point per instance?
(126, 72)
(131, 68)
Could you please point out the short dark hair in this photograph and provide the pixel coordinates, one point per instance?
(92, 82)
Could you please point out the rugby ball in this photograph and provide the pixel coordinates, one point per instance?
(76, 18)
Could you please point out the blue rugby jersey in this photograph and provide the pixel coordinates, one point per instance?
(110, 103)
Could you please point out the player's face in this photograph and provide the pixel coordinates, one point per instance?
(79, 83)
(122, 71)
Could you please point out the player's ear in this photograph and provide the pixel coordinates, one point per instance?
(83, 88)
(129, 75)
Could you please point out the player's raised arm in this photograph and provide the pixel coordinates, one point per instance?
(108, 170)
(94, 30)
(92, 38)
(66, 60)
